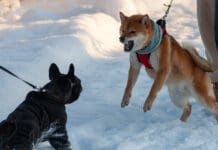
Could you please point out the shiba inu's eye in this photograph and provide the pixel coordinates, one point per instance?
(132, 32)
(121, 31)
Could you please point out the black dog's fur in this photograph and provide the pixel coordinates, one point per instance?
(40, 110)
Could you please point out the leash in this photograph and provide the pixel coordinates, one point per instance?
(162, 21)
(14, 75)
(168, 10)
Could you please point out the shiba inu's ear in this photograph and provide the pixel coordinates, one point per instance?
(53, 71)
(6, 129)
(145, 20)
(71, 70)
(122, 17)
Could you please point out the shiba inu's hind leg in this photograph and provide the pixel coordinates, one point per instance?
(186, 113)
(180, 97)
(205, 93)
(204, 90)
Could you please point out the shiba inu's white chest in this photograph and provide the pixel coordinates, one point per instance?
(154, 61)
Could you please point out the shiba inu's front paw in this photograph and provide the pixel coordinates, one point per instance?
(125, 102)
(147, 105)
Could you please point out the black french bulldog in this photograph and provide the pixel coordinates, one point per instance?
(41, 109)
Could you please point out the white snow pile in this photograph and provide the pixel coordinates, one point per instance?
(35, 33)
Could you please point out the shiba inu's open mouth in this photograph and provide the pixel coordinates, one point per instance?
(128, 46)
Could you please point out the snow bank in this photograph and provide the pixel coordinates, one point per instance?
(8, 10)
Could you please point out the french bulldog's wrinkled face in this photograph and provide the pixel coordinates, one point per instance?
(64, 88)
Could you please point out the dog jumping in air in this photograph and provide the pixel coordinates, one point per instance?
(180, 68)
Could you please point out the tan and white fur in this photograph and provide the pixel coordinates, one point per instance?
(180, 68)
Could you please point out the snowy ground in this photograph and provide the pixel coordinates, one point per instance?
(36, 33)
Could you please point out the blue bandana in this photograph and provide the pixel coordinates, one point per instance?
(155, 41)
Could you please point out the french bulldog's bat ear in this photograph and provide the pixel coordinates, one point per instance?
(7, 129)
(122, 17)
(145, 20)
(53, 71)
(71, 70)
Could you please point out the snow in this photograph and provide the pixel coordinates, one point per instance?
(35, 33)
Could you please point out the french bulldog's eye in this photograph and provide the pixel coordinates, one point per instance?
(132, 32)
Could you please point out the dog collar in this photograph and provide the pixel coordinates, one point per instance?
(155, 41)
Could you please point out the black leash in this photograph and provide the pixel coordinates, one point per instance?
(14, 75)
(168, 10)
(162, 21)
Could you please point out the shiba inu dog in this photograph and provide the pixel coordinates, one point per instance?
(41, 109)
(180, 68)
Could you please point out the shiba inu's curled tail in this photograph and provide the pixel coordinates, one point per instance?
(198, 60)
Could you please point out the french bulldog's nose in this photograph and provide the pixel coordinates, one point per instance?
(122, 39)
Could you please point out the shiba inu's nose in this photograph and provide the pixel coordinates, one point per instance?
(122, 39)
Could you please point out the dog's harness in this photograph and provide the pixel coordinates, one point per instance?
(159, 26)
(143, 55)
(144, 59)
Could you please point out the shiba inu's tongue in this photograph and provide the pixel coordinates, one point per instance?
(128, 46)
